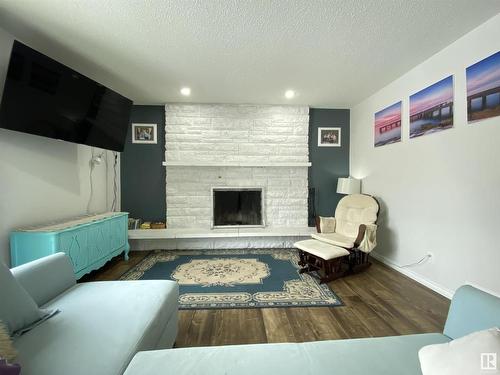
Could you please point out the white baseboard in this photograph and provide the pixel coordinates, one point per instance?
(414, 276)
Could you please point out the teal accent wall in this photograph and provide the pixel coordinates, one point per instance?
(142, 173)
(143, 176)
(328, 163)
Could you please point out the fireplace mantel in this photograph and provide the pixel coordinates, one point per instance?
(232, 164)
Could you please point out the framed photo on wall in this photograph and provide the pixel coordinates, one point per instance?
(144, 133)
(329, 137)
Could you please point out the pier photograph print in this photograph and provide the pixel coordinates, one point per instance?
(483, 89)
(431, 110)
(388, 125)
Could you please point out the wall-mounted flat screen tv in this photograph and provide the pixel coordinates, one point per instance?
(46, 98)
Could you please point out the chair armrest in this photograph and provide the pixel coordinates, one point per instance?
(325, 224)
(361, 235)
(46, 278)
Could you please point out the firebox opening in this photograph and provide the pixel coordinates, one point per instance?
(237, 207)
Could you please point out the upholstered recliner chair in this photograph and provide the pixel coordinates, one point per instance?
(343, 243)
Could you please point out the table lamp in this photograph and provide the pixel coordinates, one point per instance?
(348, 185)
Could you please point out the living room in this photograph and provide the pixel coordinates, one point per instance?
(236, 187)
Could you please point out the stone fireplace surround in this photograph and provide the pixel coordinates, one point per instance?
(227, 145)
(232, 145)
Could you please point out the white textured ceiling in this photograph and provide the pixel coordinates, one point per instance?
(334, 53)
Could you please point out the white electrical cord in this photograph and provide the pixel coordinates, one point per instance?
(91, 188)
(107, 174)
(113, 205)
(421, 261)
(94, 160)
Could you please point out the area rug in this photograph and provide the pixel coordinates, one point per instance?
(216, 279)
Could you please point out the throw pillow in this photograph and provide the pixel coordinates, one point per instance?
(18, 311)
(327, 224)
(9, 369)
(469, 355)
(7, 350)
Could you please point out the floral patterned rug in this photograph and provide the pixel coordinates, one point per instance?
(215, 279)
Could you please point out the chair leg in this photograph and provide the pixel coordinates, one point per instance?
(302, 260)
(328, 270)
(334, 268)
(358, 262)
(307, 269)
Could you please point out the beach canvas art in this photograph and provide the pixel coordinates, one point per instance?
(388, 125)
(483, 88)
(431, 110)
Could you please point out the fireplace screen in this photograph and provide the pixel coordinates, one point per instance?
(237, 207)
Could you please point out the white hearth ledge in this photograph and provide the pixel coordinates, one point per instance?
(233, 164)
(197, 233)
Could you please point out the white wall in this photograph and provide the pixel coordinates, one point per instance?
(43, 180)
(439, 192)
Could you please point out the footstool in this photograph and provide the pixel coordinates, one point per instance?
(322, 257)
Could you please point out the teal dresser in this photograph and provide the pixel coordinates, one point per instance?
(89, 241)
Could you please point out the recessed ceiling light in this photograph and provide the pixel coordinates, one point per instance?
(289, 94)
(186, 91)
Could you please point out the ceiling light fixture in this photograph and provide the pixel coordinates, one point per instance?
(289, 94)
(186, 91)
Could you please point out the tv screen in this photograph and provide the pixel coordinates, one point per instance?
(46, 98)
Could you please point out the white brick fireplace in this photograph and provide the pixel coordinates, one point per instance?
(239, 146)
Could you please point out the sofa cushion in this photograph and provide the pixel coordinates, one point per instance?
(99, 329)
(462, 355)
(471, 310)
(397, 355)
(326, 224)
(335, 239)
(18, 311)
(55, 270)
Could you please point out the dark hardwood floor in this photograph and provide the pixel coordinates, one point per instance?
(378, 302)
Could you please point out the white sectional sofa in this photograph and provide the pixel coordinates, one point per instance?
(471, 310)
(100, 326)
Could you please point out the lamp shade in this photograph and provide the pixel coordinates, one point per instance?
(348, 185)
